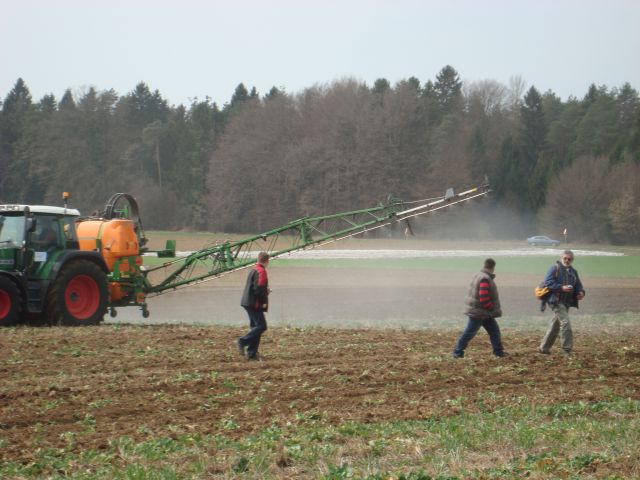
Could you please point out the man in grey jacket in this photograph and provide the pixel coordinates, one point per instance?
(482, 308)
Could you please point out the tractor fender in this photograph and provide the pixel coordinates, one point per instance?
(15, 278)
(71, 255)
(10, 301)
(18, 280)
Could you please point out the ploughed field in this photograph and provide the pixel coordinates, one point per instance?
(346, 346)
(89, 386)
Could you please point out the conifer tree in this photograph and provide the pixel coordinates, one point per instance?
(448, 90)
(16, 108)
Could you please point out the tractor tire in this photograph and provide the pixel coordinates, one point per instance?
(78, 296)
(9, 303)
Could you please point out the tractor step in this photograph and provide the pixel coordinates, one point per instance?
(35, 296)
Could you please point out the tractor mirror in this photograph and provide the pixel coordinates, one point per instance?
(30, 225)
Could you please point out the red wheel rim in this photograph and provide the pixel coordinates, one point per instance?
(82, 297)
(5, 304)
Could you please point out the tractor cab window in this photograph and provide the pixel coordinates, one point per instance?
(47, 232)
(11, 230)
(69, 230)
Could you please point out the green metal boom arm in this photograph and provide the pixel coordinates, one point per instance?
(300, 234)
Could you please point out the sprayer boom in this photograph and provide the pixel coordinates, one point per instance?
(305, 233)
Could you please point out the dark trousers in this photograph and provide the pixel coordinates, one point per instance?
(257, 324)
(492, 328)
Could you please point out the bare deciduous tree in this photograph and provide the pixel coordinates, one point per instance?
(624, 210)
(578, 200)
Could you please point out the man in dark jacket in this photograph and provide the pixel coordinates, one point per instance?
(566, 290)
(482, 308)
(255, 300)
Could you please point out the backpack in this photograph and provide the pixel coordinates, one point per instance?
(542, 293)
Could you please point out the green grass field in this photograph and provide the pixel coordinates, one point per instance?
(626, 266)
(592, 266)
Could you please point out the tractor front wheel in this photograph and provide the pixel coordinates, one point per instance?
(78, 295)
(9, 303)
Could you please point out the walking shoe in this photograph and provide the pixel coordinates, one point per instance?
(458, 355)
(501, 355)
(255, 358)
(240, 347)
(543, 352)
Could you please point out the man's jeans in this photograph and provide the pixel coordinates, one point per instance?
(492, 328)
(258, 324)
(559, 323)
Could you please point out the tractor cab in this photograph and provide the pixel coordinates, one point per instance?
(32, 236)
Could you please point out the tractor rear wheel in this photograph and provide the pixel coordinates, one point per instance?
(9, 303)
(78, 295)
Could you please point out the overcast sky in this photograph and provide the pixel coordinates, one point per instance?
(191, 49)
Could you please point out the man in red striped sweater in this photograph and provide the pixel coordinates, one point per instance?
(482, 308)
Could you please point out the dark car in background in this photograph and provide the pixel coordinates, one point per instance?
(542, 240)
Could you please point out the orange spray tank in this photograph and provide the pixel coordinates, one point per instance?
(117, 242)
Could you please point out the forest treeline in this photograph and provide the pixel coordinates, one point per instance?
(258, 162)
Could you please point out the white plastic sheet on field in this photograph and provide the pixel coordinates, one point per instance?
(359, 254)
(320, 254)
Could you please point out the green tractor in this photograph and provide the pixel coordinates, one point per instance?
(44, 275)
